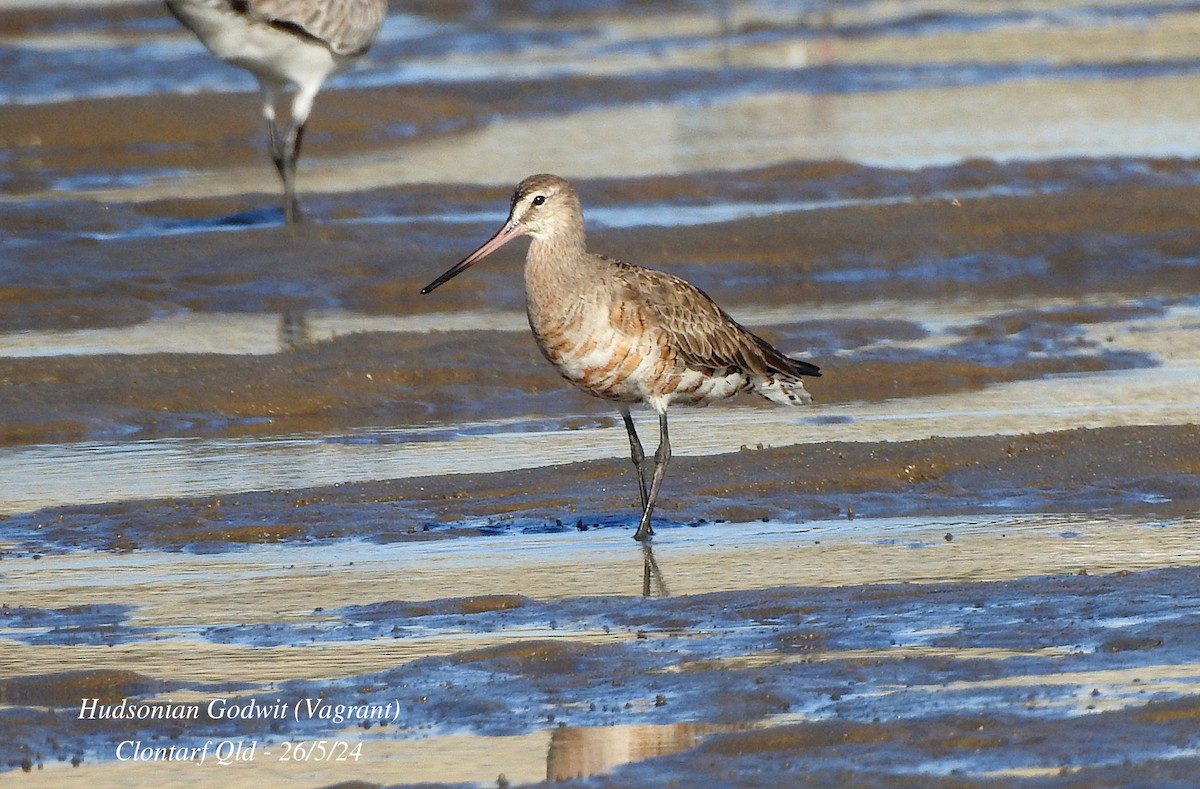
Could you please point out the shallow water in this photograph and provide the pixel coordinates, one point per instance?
(94, 472)
(289, 624)
(741, 85)
(738, 143)
(566, 565)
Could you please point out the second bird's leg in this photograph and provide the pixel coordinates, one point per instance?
(302, 103)
(284, 150)
(636, 453)
(291, 151)
(275, 146)
(274, 142)
(662, 456)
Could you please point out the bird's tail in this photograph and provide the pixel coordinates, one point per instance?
(779, 378)
(781, 388)
(771, 374)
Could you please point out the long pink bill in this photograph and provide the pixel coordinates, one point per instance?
(507, 233)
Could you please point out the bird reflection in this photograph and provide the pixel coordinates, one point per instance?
(653, 584)
(294, 331)
(581, 752)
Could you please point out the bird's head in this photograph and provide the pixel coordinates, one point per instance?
(544, 207)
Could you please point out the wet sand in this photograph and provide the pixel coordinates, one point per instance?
(240, 462)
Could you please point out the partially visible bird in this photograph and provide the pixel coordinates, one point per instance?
(297, 43)
(630, 334)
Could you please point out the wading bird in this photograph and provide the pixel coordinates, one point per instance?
(630, 334)
(296, 43)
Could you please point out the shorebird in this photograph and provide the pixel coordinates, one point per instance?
(630, 334)
(297, 43)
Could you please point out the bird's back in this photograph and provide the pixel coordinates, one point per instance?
(347, 28)
(633, 334)
(704, 339)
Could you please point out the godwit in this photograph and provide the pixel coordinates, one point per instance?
(630, 334)
(283, 43)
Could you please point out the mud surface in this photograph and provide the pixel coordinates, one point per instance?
(308, 528)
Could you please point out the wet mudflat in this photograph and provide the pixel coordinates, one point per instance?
(311, 528)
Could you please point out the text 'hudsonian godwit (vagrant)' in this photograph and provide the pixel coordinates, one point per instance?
(298, 43)
(627, 333)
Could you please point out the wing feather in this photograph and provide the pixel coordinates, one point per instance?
(349, 27)
(704, 336)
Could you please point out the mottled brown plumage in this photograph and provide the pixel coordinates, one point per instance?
(630, 334)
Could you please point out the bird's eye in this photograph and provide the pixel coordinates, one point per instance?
(539, 199)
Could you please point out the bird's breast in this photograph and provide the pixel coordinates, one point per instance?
(613, 348)
(590, 352)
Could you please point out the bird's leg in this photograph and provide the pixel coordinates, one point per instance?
(291, 153)
(636, 453)
(662, 456)
(284, 149)
(302, 103)
(275, 146)
(274, 143)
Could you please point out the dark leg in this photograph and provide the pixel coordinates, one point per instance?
(651, 575)
(287, 171)
(270, 94)
(275, 146)
(284, 151)
(662, 456)
(635, 452)
(294, 331)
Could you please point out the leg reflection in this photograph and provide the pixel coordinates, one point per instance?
(294, 331)
(653, 584)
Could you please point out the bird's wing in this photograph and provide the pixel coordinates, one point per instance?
(348, 26)
(703, 334)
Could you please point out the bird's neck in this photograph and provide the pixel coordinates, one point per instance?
(558, 259)
(557, 272)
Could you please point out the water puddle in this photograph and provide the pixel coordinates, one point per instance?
(186, 627)
(746, 85)
(104, 471)
(971, 646)
(612, 41)
(1138, 117)
(836, 604)
(558, 754)
(640, 215)
(465, 758)
(95, 472)
(242, 333)
(259, 333)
